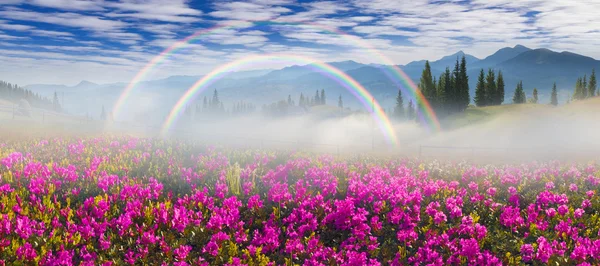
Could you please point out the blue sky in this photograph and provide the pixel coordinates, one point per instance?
(66, 41)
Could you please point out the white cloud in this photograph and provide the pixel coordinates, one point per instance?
(69, 4)
(74, 20)
(15, 27)
(250, 11)
(161, 10)
(50, 33)
(4, 36)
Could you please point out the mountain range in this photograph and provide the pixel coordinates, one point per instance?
(537, 68)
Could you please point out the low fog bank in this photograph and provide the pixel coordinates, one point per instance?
(352, 133)
(541, 134)
(538, 134)
(564, 133)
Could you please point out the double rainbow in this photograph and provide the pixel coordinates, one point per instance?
(339, 76)
(392, 71)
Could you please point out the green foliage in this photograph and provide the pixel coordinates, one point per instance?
(554, 97)
(480, 93)
(410, 113)
(491, 91)
(500, 89)
(592, 84)
(426, 85)
(399, 108)
(14, 94)
(519, 96)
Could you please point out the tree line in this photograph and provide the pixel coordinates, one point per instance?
(585, 89)
(489, 90)
(13, 93)
(318, 99)
(447, 94)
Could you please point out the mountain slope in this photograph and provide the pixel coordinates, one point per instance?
(500, 56)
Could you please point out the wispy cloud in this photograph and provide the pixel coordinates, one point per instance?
(119, 36)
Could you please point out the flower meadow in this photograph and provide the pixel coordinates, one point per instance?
(125, 200)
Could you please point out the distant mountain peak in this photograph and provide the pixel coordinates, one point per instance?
(518, 46)
(85, 83)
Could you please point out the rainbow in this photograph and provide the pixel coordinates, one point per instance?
(339, 76)
(391, 70)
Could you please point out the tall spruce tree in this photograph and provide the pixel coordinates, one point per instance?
(301, 101)
(442, 92)
(289, 101)
(317, 100)
(584, 87)
(578, 95)
(519, 96)
(103, 114)
(323, 101)
(465, 98)
(592, 84)
(490, 88)
(456, 87)
(410, 112)
(534, 99)
(480, 93)
(426, 85)
(399, 108)
(56, 103)
(216, 104)
(499, 89)
(340, 102)
(554, 96)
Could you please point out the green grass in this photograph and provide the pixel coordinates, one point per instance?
(476, 115)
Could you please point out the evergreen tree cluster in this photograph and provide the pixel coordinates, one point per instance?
(447, 95)
(554, 96)
(585, 89)
(519, 96)
(242, 108)
(319, 99)
(14, 93)
(489, 90)
(450, 93)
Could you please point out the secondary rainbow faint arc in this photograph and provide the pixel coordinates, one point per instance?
(421, 101)
(346, 81)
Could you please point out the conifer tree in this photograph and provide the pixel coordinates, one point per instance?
(519, 96)
(578, 95)
(103, 114)
(56, 103)
(317, 100)
(554, 97)
(215, 101)
(426, 85)
(443, 89)
(204, 104)
(456, 92)
(465, 98)
(301, 101)
(499, 89)
(340, 102)
(490, 88)
(592, 84)
(584, 87)
(399, 108)
(289, 101)
(410, 115)
(480, 93)
(323, 100)
(535, 96)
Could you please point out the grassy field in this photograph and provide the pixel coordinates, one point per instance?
(476, 115)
